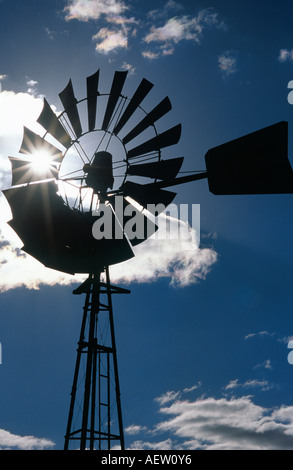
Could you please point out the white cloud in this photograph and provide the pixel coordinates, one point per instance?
(174, 30)
(134, 429)
(129, 67)
(285, 55)
(167, 397)
(32, 82)
(16, 110)
(232, 384)
(154, 259)
(110, 40)
(222, 424)
(16, 268)
(163, 445)
(181, 28)
(121, 20)
(31, 86)
(84, 10)
(191, 389)
(227, 63)
(150, 55)
(13, 441)
(168, 51)
(209, 423)
(179, 260)
(19, 269)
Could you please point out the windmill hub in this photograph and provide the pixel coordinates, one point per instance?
(100, 173)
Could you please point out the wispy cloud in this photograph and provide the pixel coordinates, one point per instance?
(167, 397)
(267, 364)
(130, 68)
(267, 334)
(50, 33)
(253, 383)
(9, 441)
(167, 444)
(259, 333)
(170, 6)
(227, 63)
(171, 395)
(182, 28)
(150, 55)
(161, 30)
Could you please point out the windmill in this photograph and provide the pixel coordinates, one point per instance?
(69, 177)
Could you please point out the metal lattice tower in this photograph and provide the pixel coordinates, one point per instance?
(100, 406)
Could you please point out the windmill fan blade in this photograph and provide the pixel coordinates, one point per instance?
(167, 138)
(70, 106)
(137, 226)
(159, 111)
(141, 92)
(254, 164)
(117, 85)
(113, 249)
(57, 236)
(23, 172)
(33, 144)
(163, 169)
(148, 195)
(92, 83)
(32, 208)
(51, 123)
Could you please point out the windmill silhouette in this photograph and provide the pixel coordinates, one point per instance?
(70, 176)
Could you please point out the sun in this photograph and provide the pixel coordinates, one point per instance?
(42, 166)
(41, 162)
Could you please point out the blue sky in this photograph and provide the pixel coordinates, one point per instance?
(202, 339)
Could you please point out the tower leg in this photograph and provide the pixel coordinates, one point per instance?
(99, 422)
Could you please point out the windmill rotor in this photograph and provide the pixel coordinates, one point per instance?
(57, 201)
(90, 161)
